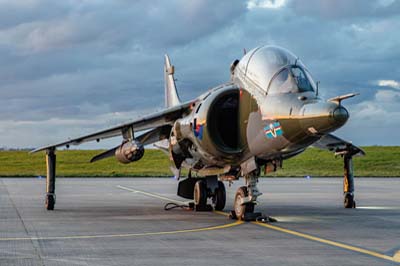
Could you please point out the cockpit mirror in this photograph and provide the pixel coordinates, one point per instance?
(302, 98)
(233, 66)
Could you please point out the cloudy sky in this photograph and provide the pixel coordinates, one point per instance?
(73, 66)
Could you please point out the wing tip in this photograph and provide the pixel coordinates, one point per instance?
(52, 147)
(37, 150)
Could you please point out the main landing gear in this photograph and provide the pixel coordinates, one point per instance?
(206, 188)
(202, 189)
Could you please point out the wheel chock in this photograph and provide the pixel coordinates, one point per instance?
(201, 208)
(253, 217)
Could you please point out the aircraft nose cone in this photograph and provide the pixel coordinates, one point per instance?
(323, 117)
(340, 114)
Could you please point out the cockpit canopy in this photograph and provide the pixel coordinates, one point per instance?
(275, 70)
(291, 79)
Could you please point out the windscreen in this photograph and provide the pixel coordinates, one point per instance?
(291, 79)
(303, 81)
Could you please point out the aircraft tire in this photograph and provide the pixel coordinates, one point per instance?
(50, 202)
(240, 210)
(220, 197)
(200, 193)
(349, 201)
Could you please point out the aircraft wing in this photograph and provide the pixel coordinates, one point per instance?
(158, 119)
(339, 146)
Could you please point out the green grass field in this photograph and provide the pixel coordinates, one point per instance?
(380, 161)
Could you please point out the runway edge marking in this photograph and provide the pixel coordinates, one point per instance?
(395, 258)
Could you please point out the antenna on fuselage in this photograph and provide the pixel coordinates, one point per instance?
(244, 51)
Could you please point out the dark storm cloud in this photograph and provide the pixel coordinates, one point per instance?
(100, 51)
(69, 67)
(18, 12)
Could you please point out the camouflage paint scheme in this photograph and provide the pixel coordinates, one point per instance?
(295, 112)
(269, 111)
(301, 117)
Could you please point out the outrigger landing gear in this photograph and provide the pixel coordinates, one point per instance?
(348, 181)
(246, 198)
(50, 179)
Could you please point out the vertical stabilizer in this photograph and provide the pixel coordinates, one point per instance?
(171, 95)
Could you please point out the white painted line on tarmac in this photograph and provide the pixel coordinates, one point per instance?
(152, 195)
(395, 258)
(209, 228)
(378, 208)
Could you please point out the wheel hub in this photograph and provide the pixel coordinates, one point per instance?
(238, 204)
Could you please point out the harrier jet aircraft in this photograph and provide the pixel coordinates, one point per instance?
(268, 112)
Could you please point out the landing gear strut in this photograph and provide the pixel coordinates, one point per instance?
(348, 182)
(50, 179)
(246, 197)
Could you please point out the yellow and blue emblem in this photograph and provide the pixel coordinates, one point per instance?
(273, 130)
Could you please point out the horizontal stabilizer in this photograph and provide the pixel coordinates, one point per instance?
(337, 145)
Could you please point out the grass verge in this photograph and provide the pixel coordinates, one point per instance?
(379, 162)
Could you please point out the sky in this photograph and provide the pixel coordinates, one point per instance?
(72, 67)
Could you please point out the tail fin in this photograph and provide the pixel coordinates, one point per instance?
(171, 95)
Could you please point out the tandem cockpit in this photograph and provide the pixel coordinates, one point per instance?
(274, 70)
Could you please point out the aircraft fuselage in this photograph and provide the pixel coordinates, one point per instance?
(271, 117)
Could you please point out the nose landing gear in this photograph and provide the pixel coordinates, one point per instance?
(246, 198)
(241, 207)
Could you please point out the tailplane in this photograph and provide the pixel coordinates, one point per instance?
(171, 95)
